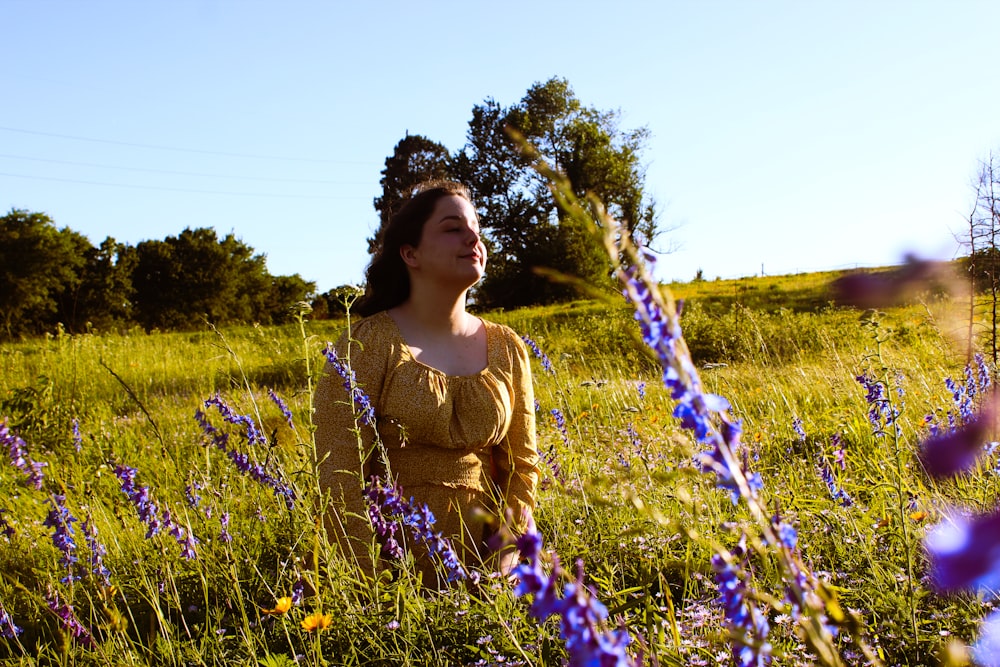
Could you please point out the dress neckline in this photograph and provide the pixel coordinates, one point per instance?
(408, 353)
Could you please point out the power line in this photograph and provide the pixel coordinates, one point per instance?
(165, 189)
(183, 150)
(180, 173)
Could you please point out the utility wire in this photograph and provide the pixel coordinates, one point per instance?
(179, 173)
(183, 150)
(165, 189)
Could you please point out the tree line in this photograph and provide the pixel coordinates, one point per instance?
(53, 277)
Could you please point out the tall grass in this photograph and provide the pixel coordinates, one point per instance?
(622, 494)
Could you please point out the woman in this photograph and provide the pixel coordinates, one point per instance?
(452, 393)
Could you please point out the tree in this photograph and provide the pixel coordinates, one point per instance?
(983, 262)
(415, 159)
(285, 292)
(194, 276)
(39, 265)
(103, 298)
(524, 227)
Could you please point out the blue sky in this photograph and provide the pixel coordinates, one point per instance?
(785, 136)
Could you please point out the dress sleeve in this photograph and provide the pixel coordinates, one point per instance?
(345, 438)
(516, 457)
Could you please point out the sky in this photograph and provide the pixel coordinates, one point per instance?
(786, 136)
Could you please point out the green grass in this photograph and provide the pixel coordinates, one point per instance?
(631, 504)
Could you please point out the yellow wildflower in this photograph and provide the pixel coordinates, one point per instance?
(316, 621)
(281, 605)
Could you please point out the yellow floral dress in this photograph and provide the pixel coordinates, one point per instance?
(464, 445)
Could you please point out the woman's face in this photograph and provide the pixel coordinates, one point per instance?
(450, 249)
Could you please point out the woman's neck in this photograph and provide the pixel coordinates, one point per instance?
(436, 312)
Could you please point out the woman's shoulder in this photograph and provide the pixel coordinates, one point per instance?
(376, 331)
(510, 339)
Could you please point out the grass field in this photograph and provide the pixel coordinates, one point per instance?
(112, 417)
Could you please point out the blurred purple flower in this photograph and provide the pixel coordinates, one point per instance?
(955, 451)
(224, 535)
(965, 553)
(799, 431)
(77, 438)
(836, 492)
(7, 628)
(139, 497)
(986, 650)
(18, 451)
(888, 288)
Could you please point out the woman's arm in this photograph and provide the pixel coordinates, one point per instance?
(516, 457)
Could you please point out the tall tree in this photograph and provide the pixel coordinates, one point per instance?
(526, 230)
(103, 297)
(39, 264)
(414, 160)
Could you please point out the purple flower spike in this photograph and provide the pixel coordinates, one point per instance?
(955, 451)
(19, 458)
(537, 351)
(365, 410)
(965, 553)
(7, 628)
(283, 407)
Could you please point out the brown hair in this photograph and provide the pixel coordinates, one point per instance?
(387, 280)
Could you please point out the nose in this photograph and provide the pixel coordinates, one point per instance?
(473, 237)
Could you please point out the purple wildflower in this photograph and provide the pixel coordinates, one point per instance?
(581, 615)
(243, 462)
(97, 551)
(224, 535)
(282, 406)
(5, 528)
(298, 591)
(640, 388)
(839, 454)
(7, 628)
(19, 458)
(560, 424)
(77, 438)
(965, 553)
(881, 413)
(68, 619)
(955, 451)
(253, 434)
(61, 521)
(386, 506)
(836, 492)
(139, 497)
(799, 431)
(746, 623)
(366, 413)
(191, 494)
(537, 351)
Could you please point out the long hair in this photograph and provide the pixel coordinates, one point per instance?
(387, 279)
